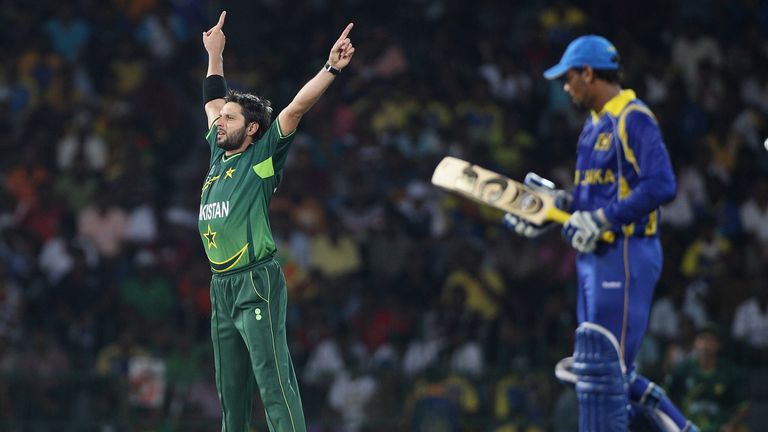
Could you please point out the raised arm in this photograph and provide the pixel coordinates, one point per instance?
(214, 86)
(338, 59)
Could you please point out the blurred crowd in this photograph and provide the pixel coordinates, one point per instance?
(409, 309)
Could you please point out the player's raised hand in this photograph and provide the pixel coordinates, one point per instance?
(214, 39)
(342, 50)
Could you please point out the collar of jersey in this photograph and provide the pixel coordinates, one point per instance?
(225, 158)
(616, 104)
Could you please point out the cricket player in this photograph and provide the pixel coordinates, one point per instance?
(623, 175)
(248, 292)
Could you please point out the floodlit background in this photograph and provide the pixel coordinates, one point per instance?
(409, 309)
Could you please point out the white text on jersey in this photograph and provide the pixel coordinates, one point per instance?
(214, 210)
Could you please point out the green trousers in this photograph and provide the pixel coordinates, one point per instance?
(250, 348)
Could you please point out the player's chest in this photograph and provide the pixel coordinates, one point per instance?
(596, 157)
(704, 386)
(226, 178)
(597, 146)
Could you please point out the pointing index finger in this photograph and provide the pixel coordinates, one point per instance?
(223, 15)
(346, 31)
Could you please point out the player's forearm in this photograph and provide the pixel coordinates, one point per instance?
(215, 64)
(214, 87)
(310, 93)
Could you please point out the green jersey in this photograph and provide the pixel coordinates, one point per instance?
(233, 219)
(708, 399)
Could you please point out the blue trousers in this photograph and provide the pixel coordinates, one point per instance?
(616, 285)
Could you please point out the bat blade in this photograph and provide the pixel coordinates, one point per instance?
(493, 189)
(498, 191)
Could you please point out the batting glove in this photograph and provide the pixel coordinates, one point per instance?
(583, 229)
(524, 228)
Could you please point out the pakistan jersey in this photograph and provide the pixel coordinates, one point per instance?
(709, 399)
(233, 219)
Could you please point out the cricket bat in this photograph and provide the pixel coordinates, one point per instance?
(498, 191)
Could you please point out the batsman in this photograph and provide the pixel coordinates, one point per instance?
(623, 175)
(248, 292)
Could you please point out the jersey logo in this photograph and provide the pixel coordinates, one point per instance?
(210, 182)
(603, 142)
(264, 169)
(229, 173)
(227, 264)
(211, 237)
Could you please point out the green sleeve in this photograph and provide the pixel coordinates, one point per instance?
(275, 145)
(210, 138)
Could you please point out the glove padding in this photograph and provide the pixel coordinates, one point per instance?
(583, 229)
(523, 227)
(563, 201)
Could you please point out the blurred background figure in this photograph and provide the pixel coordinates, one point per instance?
(711, 391)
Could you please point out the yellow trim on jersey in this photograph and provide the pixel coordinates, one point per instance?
(210, 182)
(227, 264)
(653, 223)
(653, 217)
(618, 103)
(628, 153)
(615, 105)
(624, 189)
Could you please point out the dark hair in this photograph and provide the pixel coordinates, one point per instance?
(709, 328)
(255, 109)
(612, 76)
(609, 75)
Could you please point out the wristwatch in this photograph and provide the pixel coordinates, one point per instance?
(331, 69)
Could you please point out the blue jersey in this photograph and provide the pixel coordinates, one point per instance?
(622, 166)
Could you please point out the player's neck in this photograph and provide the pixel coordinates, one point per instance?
(604, 93)
(237, 150)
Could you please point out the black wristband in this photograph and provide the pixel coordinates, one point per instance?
(331, 69)
(214, 87)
